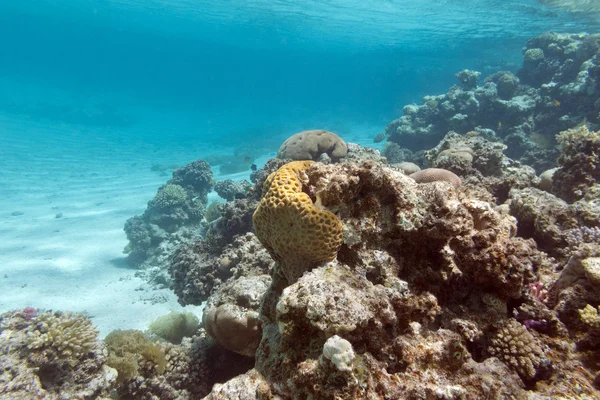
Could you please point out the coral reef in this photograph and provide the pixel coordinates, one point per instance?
(160, 370)
(349, 278)
(419, 299)
(198, 270)
(310, 145)
(173, 217)
(230, 190)
(556, 89)
(52, 355)
(578, 173)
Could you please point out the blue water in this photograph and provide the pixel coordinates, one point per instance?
(93, 92)
(210, 68)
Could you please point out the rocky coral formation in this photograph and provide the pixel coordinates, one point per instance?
(556, 89)
(558, 227)
(173, 372)
(231, 314)
(172, 217)
(578, 173)
(478, 158)
(197, 270)
(230, 190)
(417, 302)
(52, 355)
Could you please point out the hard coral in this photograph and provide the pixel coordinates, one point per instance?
(67, 335)
(231, 313)
(168, 196)
(436, 175)
(296, 233)
(309, 145)
(233, 327)
(578, 163)
(516, 347)
(196, 177)
(53, 356)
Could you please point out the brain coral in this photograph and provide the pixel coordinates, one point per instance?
(309, 145)
(434, 175)
(296, 233)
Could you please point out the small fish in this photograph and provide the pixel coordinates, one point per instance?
(247, 160)
(499, 124)
(253, 167)
(556, 103)
(380, 137)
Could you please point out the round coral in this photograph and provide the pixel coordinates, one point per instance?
(436, 174)
(309, 145)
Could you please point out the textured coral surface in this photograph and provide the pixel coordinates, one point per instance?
(296, 233)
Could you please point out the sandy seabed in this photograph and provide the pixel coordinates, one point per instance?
(65, 196)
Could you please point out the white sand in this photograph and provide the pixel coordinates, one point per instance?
(75, 262)
(96, 180)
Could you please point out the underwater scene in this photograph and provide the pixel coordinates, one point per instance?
(270, 200)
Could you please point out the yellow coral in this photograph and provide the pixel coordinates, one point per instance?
(296, 233)
(589, 316)
(69, 335)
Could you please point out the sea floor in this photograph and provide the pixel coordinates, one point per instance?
(65, 194)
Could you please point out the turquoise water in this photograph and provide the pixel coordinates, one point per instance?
(93, 93)
(205, 70)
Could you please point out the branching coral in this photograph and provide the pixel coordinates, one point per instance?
(67, 335)
(514, 345)
(52, 355)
